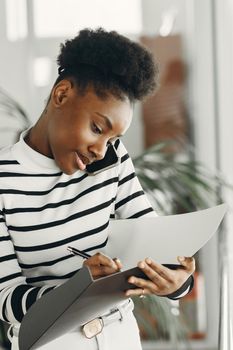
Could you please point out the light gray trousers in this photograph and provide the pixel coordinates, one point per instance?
(121, 334)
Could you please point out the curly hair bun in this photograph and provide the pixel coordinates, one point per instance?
(125, 66)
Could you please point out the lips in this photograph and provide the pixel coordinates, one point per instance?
(82, 161)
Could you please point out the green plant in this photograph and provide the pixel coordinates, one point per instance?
(175, 183)
(159, 319)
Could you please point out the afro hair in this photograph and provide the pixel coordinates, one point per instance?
(110, 63)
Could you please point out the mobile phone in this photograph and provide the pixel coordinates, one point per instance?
(110, 160)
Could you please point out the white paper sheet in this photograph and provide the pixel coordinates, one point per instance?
(162, 238)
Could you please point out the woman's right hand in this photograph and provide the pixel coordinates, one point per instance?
(101, 265)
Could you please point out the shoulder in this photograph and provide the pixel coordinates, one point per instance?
(6, 157)
(125, 161)
(120, 148)
(7, 162)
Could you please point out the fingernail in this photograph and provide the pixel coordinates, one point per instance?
(131, 280)
(148, 260)
(181, 258)
(141, 265)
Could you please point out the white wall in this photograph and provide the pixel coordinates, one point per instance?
(13, 63)
(224, 45)
(203, 114)
(211, 56)
(153, 11)
(14, 77)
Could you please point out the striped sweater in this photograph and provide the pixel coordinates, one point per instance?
(43, 210)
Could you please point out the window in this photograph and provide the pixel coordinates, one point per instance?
(55, 19)
(16, 15)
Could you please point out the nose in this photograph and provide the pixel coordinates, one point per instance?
(98, 150)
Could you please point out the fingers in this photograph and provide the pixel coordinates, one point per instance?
(188, 263)
(162, 280)
(143, 287)
(158, 279)
(101, 259)
(137, 292)
(101, 265)
(118, 262)
(155, 270)
(101, 271)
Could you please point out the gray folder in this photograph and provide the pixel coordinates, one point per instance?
(72, 304)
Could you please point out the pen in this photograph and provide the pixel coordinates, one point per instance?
(75, 251)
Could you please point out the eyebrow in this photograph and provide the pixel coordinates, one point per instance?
(107, 121)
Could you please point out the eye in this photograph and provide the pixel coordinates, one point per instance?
(96, 129)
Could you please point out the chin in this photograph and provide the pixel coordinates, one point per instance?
(66, 165)
(67, 169)
(69, 172)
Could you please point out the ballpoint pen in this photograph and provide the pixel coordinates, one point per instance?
(75, 251)
(84, 255)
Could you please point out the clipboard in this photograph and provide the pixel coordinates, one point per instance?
(72, 304)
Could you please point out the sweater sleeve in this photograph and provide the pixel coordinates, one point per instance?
(16, 296)
(132, 202)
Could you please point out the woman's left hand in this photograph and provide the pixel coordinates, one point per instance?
(162, 280)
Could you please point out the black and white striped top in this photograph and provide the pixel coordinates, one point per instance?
(43, 210)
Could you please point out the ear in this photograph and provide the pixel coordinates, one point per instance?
(61, 93)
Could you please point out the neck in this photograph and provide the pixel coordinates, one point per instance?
(36, 138)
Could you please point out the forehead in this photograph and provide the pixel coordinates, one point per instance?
(110, 109)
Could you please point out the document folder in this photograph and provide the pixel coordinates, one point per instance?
(162, 238)
(82, 298)
(72, 304)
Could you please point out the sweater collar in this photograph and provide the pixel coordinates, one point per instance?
(32, 159)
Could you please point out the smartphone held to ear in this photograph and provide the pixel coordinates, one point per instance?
(110, 160)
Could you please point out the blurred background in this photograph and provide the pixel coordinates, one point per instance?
(182, 136)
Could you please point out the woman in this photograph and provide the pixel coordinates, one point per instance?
(60, 186)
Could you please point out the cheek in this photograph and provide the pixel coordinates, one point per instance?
(82, 135)
(59, 139)
(67, 137)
